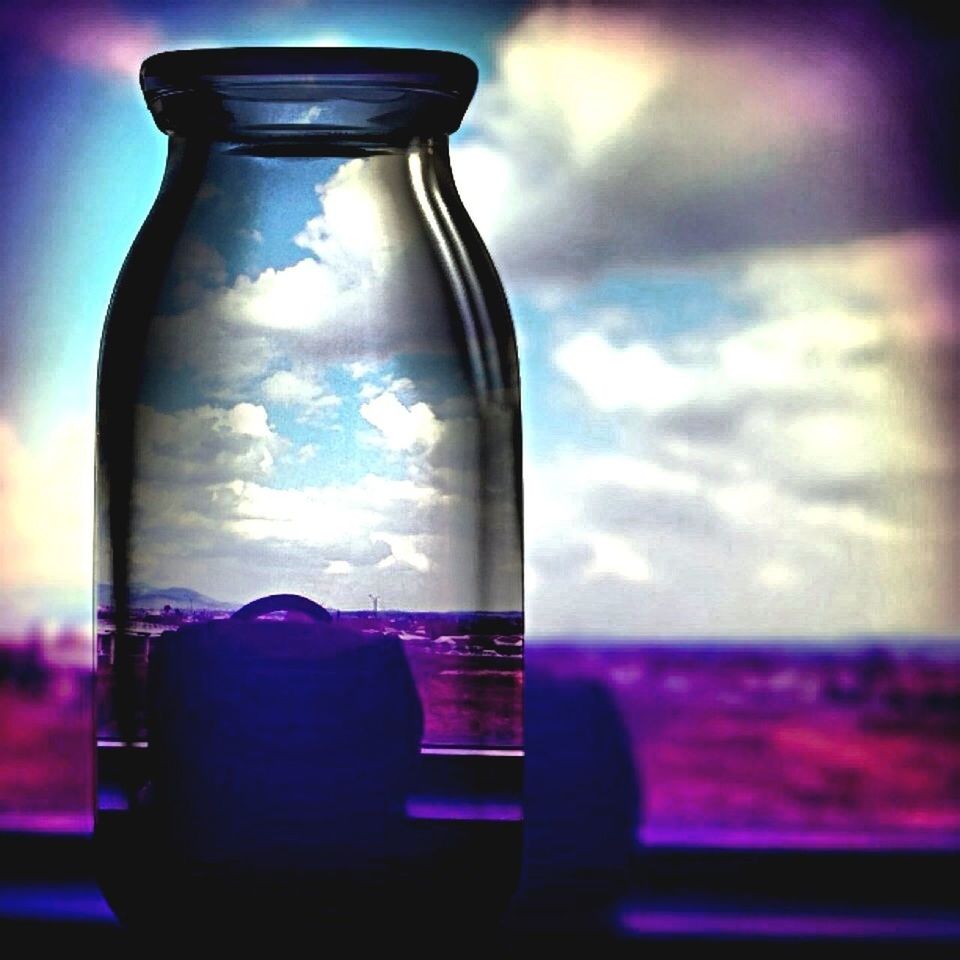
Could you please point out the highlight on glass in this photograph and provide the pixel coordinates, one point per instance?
(309, 552)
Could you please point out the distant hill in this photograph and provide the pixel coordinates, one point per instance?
(156, 598)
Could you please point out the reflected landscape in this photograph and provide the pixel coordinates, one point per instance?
(762, 745)
(468, 668)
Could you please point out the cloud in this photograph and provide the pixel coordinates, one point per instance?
(213, 513)
(206, 444)
(225, 505)
(777, 575)
(404, 549)
(360, 293)
(318, 515)
(640, 139)
(618, 557)
(302, 392)
(401, 427)
(802, 477)
(367, 288)
(295, 298)
(239, 539)
(352, 232)
(358, 369)
(615, 378)
(46, 494)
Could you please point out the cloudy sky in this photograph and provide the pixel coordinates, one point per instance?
(730, 251)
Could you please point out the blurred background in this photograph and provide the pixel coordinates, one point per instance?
(729, 237)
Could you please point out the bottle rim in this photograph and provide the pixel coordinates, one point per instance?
(357, 94)
(180, 71)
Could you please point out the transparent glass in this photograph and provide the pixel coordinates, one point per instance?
(309, 550)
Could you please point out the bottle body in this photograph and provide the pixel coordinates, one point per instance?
(309, 549)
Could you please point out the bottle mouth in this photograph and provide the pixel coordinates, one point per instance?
(353, 93)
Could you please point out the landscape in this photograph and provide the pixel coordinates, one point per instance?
(799, 742)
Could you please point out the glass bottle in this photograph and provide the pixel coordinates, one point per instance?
(309, 552)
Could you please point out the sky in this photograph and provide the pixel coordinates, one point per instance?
(729, 243)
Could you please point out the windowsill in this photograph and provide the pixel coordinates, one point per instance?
(46, 885)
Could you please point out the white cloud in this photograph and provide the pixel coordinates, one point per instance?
(351, 234)
(214, 513)
(328, 515)
(615, 378)
(667, 141)
(404, 549)
(358, 369)
(46, 498)
(367, 287)
(304, 391)
(616, 556)
(793, 473)
(239, 539)
(777, 575)
(485, 177)
(401, 427)
(591, 73)
(247, 419)
(294, 298)
(207, 443)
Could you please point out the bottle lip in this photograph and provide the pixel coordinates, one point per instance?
(179, 71)
(352, 93)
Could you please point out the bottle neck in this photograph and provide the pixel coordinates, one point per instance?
(339, 148)
(329, 114)
(284, 179)
(382, 227)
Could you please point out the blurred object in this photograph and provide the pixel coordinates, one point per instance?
(46, 757)
(582, 802)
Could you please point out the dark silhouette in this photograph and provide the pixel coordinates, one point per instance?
(280, 760)
(282, 601)
(582, 801)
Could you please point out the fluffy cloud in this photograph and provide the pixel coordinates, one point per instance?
(617, 556)
(787, 470)
(241, 538)
(352, 233)
(303, 392)
(212, 512)
(367, 287)
(401, 427)
(318, 515)
(304, 297)
(637, 138)
(207, 443)
(635, 376)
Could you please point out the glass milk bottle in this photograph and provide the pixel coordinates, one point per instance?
(309, 550)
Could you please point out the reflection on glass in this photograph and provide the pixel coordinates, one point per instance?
(309, 566)
(308, 421)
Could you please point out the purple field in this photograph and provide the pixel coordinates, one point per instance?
(782, 746)
(750, 745)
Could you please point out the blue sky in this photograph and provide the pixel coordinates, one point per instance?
(727, 245)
